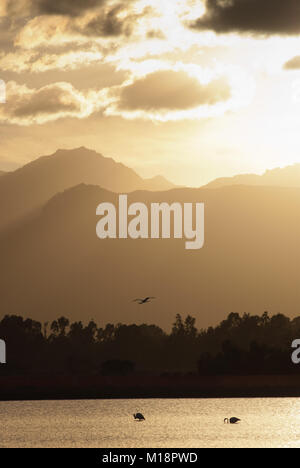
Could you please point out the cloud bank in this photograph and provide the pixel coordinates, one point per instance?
(251, 16)
(171, 90)
(130, 36)
(27, 106)
(187, 92)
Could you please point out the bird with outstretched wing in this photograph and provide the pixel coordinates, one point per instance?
(146, 300)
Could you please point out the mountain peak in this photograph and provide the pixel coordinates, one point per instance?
(34, 184)
(159, 182)
(81, 151)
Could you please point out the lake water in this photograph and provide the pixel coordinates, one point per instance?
(169, 423)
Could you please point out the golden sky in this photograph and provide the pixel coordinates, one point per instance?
(190, 89)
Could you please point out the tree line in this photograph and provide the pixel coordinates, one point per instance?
(241, 344)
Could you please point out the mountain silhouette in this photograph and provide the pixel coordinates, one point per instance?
(158, 183)
(288, 176)
(53, 264)
(33, 185)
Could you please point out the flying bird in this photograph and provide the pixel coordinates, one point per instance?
(231, 421)
(139, 417)
(144, 301)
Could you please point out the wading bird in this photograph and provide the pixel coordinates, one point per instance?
(231, 421)
(139, 417)
(144, 301)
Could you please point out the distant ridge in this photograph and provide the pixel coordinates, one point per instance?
(31, 186)
(288, 176)
(158, 183)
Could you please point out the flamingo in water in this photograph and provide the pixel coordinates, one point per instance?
(231, 421)
(139, 417)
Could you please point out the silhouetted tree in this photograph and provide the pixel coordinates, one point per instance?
(240, 344)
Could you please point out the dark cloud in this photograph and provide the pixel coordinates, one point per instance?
(108, 19)
(171, 91)
(44, 102)
(293, 64)
(253, 16)
(66, 7)
(108, 23)
(52, 7)
(71, 8)
(25, 106)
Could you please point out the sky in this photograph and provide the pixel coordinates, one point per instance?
(189, 89)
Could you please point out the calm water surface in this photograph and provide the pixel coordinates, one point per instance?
(169, 423)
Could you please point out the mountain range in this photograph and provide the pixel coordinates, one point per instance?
(32, 185)
(288, 176)
(53, 264)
